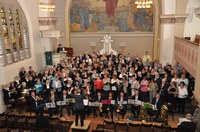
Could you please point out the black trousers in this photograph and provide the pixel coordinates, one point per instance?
(144, 96)
(152, 112)
(70, 110)
(53, 111)
(81, 114)
(135, 111)
(39, 110)
(181, 104)
(61, 110)
(110, 110)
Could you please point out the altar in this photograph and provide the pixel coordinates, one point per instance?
(107, 45)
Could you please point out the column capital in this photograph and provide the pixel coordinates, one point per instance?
(173, 18)
(47, 20)
(197, 11)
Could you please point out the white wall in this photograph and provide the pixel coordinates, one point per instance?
(135, 42)
(192, 24)
(180, 9)
(61, 23)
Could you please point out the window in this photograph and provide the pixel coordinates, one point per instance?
(14, 40)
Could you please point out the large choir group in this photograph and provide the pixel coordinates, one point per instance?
(102, 78)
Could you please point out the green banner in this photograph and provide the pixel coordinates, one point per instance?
(48, 58)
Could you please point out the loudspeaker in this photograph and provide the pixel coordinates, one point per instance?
(188, 38)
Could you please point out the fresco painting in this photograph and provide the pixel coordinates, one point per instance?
(109, 16)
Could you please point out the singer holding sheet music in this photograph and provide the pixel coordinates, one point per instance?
(182, 95)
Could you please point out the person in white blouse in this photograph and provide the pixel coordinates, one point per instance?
(182, 95)
(176, 79)
(57, 86)
(134, 85)
(184, 79)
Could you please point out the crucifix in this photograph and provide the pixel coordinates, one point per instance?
(107, 41)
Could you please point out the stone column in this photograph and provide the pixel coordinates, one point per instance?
(167, 36)
(2, 105)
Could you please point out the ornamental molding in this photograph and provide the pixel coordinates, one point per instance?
(173, 18)
(197, 11)
(47, 21)
(121, 35)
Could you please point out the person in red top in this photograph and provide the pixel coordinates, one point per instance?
(98, 84)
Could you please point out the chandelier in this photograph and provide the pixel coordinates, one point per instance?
(143, 3)
(48, 7)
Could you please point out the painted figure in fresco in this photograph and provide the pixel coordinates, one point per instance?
(140, 18)
(132, 10)
(122, 21)
(110, 7)
(74, 18)
(149, 21)
(85, 13)
(109, 15)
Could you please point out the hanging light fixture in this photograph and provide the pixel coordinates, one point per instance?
(47, 7)
(143, 3)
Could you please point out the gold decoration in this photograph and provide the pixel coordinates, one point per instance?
(164, 115)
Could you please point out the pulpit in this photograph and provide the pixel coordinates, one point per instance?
(69, 51)
(107, 46)
(56, 58)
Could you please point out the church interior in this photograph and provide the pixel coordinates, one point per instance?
(99, 65)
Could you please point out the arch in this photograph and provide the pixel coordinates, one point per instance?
(29, 23)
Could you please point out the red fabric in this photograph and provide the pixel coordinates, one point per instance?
(144, 88)
(98, 84)
(105, 102)
(110, 7)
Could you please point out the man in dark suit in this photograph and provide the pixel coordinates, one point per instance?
(135, 108)
(187, 125)
(78, 106)
(60, 48)
(158, 103)
(63, 97)
(98, 98)
(36, 105)
(123, 106)
(53, 98)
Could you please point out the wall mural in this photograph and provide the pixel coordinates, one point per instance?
(109, 16)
